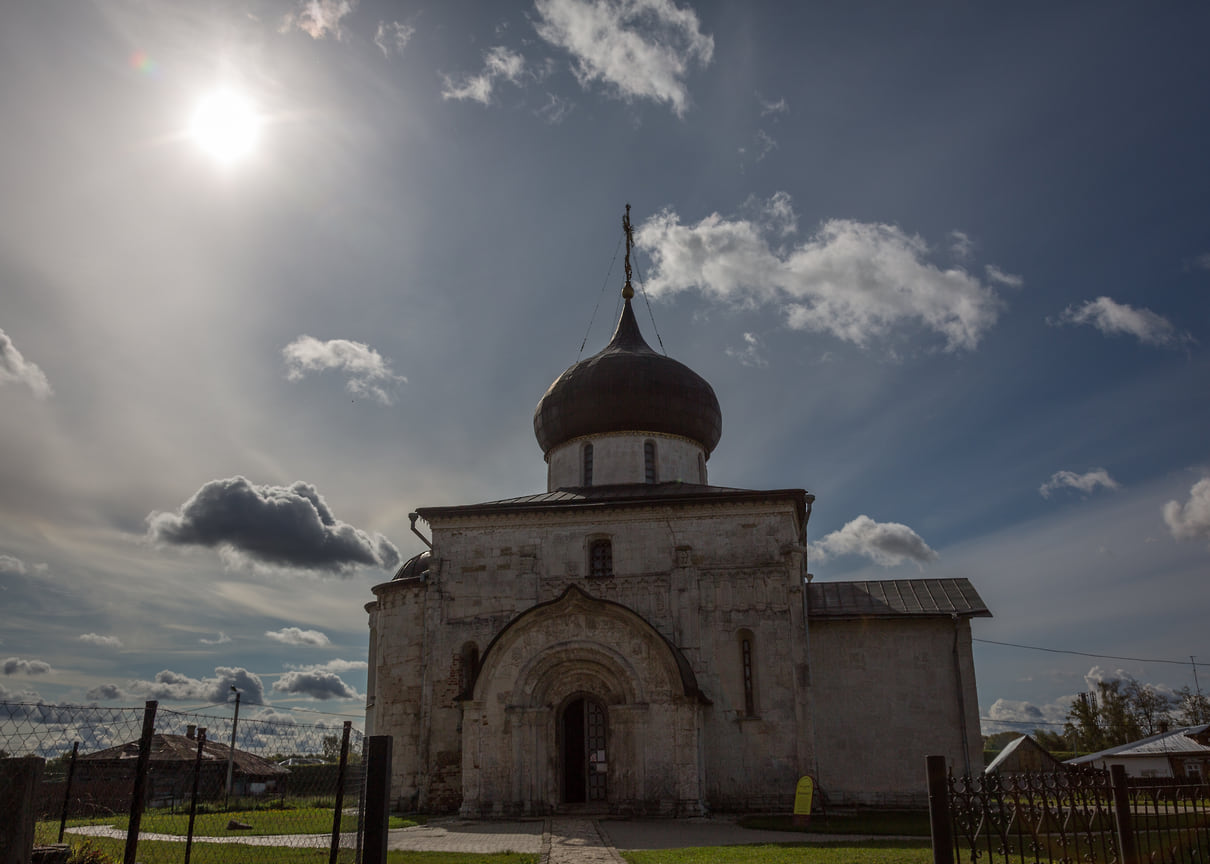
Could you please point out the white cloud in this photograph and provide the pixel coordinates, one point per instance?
(392, 37)
(1202, 262)
(101, 641)
(1191, 520)
(884, 543)
(499, 64)
(298, 636)
(751, 353)
(171, 685)
(319, 18)
(14, 367)
(962, 247)
(281, 526)
(1112, 318)
(768, 107)
(369, 374)
(858, 281)
(763, 144)
(316, 684)
(11, 566)
(21, 666)
(640, 49)
(336, 665)
(1086, 482)
(995, 274)
(221, 639)
(556, 109)
(1024, 716)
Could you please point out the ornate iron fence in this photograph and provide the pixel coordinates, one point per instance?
(1085, 816)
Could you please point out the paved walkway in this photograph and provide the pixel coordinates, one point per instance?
(584, 840)
(557, 840)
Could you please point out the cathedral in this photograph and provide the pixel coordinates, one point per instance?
(637, 641)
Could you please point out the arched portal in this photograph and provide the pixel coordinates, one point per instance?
(580, 700)
(583, 757)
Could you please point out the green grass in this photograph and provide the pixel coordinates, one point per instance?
(168, 852)
(907, 823)
(857, 852)
(307, 820)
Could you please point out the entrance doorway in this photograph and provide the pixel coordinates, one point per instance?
(585, 769)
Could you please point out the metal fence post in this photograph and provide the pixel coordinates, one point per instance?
(139, 793)
(197, 774)
(334, 851)
(939, 811)
(1121, 815)
(71, 771)
(378, 799)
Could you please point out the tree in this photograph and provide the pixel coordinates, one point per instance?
(997, 741)
(1192, 709)
(1117, 712)
(1052, 742)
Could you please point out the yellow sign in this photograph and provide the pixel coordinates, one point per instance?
(802, 796)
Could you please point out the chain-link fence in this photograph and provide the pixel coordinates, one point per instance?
(204, 786)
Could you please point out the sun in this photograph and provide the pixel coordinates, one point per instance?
(225, 125)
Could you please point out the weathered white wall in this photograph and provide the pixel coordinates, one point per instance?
(886, 697)
(876, 697)
(618, 457)
(697, 574)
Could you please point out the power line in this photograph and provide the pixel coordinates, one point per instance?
(1089, 654)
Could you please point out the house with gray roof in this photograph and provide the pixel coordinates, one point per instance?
(1183, 753)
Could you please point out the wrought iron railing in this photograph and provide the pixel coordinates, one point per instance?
(1077, 816)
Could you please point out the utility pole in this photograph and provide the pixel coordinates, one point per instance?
(1196, 686)
(231, 751)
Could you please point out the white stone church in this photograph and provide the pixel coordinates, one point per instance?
(637, 641)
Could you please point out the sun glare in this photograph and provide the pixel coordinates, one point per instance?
(225, 125)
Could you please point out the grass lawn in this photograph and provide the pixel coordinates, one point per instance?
(166, 852)
(303, 820)
(857, 852)
(908, 823)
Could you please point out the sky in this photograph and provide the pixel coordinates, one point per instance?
(274, 274)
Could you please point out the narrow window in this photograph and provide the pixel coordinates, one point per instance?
(745, 644)
(470, 665)
(600, 559)
(701, 469)
(587, 465)
(649, 462)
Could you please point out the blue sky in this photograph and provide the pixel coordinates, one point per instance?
(946, 266)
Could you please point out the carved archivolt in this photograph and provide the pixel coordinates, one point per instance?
(611, 650)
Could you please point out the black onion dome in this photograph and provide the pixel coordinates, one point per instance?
(628, 387)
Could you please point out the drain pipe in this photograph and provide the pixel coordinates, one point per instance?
(412, 517)
(966, 750)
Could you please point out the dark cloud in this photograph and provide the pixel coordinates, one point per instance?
(13, 710)
(105, 692)
(316, 683)
(21, 666)
(169, 685)
(284, 526)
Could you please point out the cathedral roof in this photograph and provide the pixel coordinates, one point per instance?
(621, 495)
(628, 387)
(892, 598)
